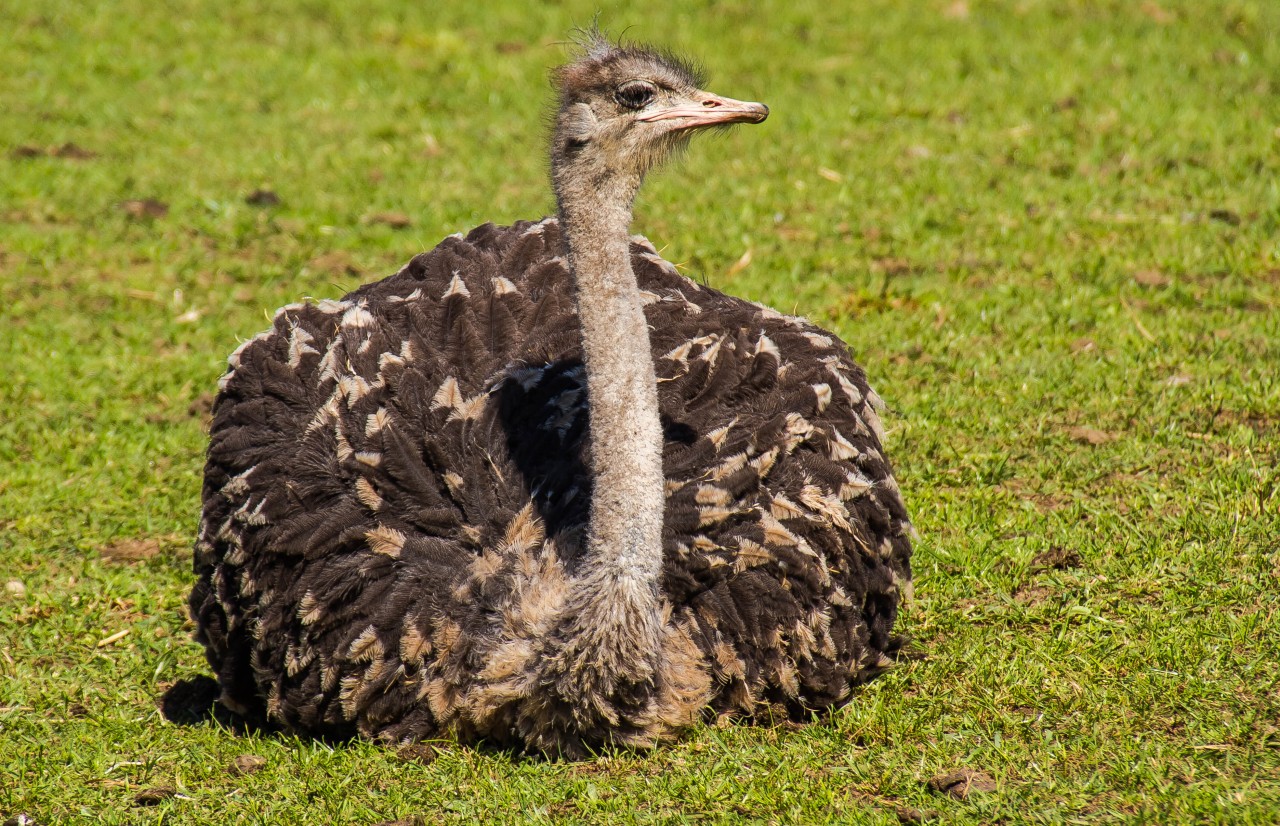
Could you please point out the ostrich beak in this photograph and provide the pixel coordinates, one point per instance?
(707, 109)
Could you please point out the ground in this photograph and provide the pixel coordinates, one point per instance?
(1049, 230)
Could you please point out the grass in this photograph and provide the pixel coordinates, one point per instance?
(1049, 230)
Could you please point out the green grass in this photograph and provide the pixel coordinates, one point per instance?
(1049, 230)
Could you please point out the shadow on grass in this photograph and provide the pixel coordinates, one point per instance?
(194, 702)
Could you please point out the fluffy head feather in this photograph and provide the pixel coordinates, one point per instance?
(622, 108)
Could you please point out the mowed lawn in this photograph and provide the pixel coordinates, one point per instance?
(1050, 231)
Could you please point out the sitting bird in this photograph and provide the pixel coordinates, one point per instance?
(539, 488)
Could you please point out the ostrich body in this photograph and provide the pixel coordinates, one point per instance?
(539, 488)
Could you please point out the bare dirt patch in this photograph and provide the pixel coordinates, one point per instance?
(1263, 424)
(563, 809)
(1057, 559)
(144, 208)
(1151, 278)
(962, 783)
(247, 764)
(336, 263)
(131, 550)
(66, 151)
(1031, 594)
(1090, 435)
(140, 548)
(201, 408)
(906, 814)
(395, 220)
(73, 152)
(897, 266)
(262, 198)
(154, 796)
(1044, 501)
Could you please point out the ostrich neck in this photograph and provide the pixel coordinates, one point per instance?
(624, 538)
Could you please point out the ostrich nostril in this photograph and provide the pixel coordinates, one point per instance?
(711, 103)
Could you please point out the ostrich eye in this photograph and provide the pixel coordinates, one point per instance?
(636, 95)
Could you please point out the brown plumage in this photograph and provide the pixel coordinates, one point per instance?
(541, 489)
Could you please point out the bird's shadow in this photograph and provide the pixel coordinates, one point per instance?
(194, 702)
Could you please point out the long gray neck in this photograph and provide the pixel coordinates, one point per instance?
(615, 595)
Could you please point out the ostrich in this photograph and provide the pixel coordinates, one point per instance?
(540, 489)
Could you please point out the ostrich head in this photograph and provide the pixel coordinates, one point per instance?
(623, 109)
